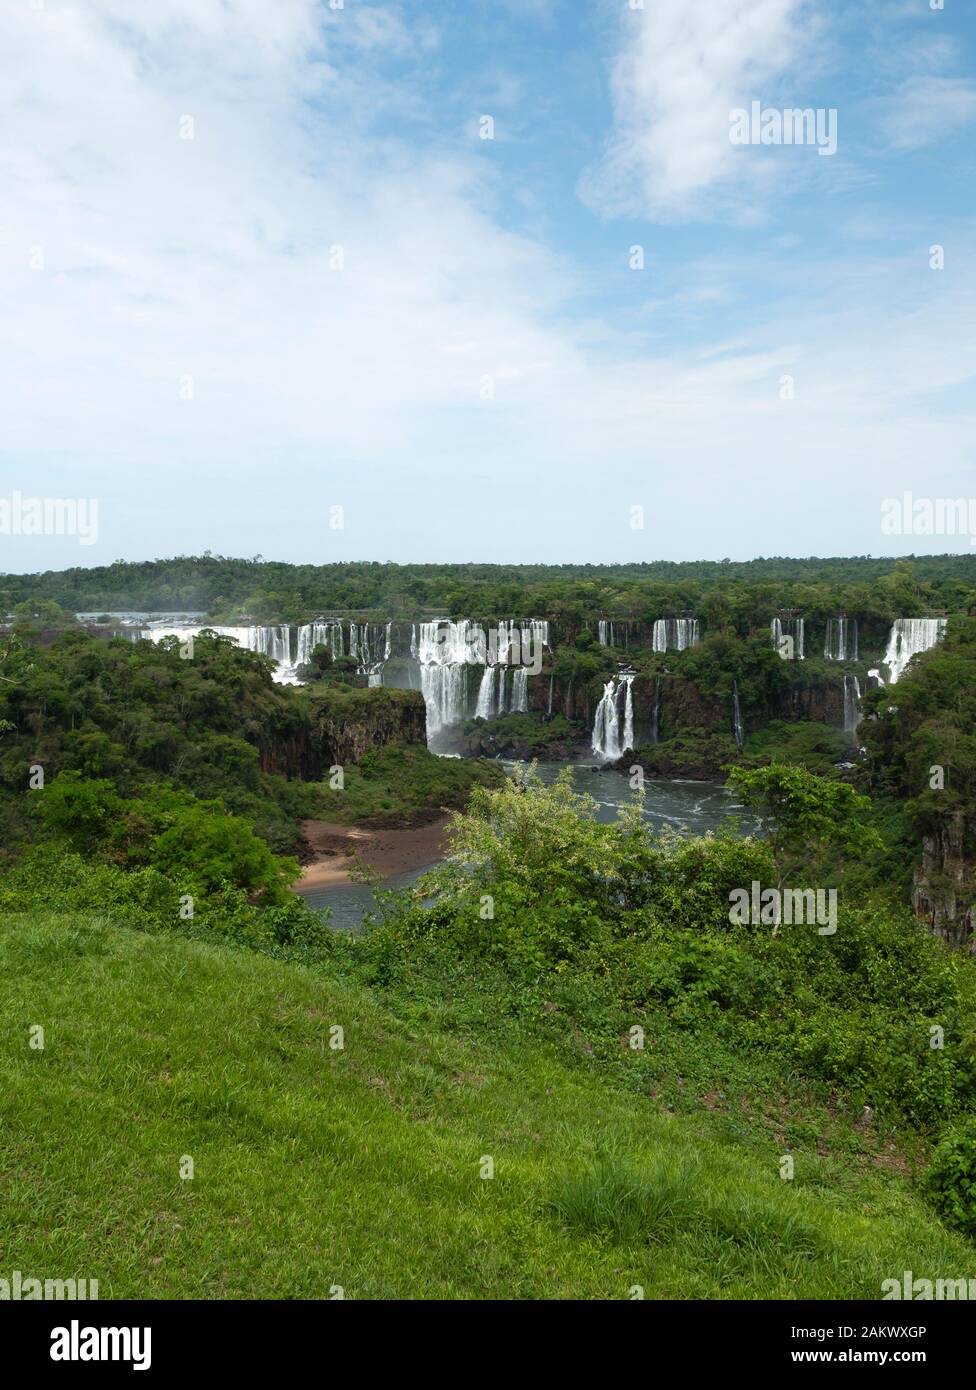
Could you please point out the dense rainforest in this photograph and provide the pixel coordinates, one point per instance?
(557, 964)
(723, 593)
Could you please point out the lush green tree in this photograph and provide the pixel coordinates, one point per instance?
(806, 819)
(82, 811)
(205, 850)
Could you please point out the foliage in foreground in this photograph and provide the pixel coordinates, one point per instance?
(617, 927)
(951, 1179)
(361, 1167)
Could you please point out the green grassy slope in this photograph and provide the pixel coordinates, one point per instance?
(360, 1167)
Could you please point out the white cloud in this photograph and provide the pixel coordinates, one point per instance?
(680, 71)
(210, 258)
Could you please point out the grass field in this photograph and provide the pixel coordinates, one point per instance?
(360, 1168)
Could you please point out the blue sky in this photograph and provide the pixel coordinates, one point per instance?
(336, 294)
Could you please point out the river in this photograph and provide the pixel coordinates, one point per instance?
(695, 807)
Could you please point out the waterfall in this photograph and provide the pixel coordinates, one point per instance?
(788, 637)
(628, 739)
(445, 649)
(370, 644)
(445, 690)
(551, 678)
(840, 643)
(656, 714)
(508, 637)
(605, 742)
(680, 633)
(613, 634)
(312, 635)
(520, 690)
(487, 705)
(737, 728)
(538, 630)
(273, 641)
(613, 731)
(517, 642)
(875, 681)
(445, 643)
(909, 636)
(852, 709)
(491, 693)
(496, 697)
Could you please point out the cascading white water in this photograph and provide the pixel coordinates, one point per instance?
(507, 643)
(520, 691)
(514, 643)
(610, 633)
(605, 742)
(445, 690)
(852, 708)
(443, 647)
(679, 633)
(613, 733)
(444, 643)
(737, 729)
(273, 641)
(788, 636)
(370, 644)
(497, 697)
(487, 706)
(312, 635)
(908, 637)
(628, 738)
(444, 650)
(840, 642)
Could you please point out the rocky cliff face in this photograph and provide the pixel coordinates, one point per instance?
(944, 885)
(820, 704)
(574, 700)
(342, 725)
(684, 706)
(292, 755)
(374, 718)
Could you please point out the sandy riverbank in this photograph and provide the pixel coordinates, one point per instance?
(388, 851)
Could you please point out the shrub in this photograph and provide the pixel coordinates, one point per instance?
(951, 1178)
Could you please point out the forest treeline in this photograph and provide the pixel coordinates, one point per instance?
(723, 592)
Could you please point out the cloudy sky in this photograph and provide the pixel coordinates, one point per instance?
(259, 261)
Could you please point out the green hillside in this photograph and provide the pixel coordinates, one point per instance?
(359, 1167)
